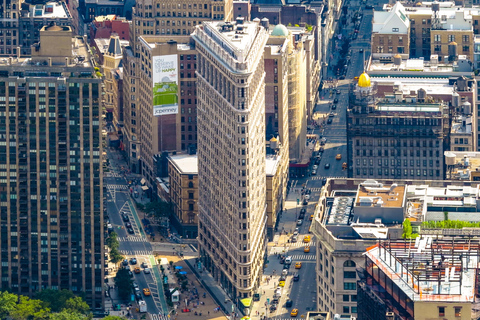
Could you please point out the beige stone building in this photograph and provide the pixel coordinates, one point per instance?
(146, 135)
(297, 106)
(175, 21)
(183, 174)
(163, 133)
(113, 82)
(390, 33)
(277, 179)
(231, 153)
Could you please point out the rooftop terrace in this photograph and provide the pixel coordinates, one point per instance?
(430, 268)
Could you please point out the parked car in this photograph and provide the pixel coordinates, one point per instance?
(125, 217)
(146, 270)
(314, 172)
(128, 225)
(288, 303)
(130, 231)
(299, 222)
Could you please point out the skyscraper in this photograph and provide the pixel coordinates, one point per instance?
(231, 152)
(51, 199)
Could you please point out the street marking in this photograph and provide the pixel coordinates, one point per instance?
(303, 257)
(136, 252)
(131, 238)
(116, 186)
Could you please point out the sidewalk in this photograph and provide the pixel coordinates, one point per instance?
(204, 284)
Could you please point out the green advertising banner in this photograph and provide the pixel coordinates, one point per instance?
(165, 85)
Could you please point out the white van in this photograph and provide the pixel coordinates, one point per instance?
(288, 260)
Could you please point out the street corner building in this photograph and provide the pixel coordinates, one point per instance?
(231, 152)
(51, 188)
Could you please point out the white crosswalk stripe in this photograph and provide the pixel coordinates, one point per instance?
(112, 174)
(301, 244)
(315, 189)
(131, 238)
(136, 252)
(320, 178)
(297, 257)
(116, 186)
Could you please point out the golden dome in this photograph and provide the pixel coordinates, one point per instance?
(364, 80)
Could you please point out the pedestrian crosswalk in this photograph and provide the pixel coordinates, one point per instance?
(298, 257)
(302, 244)
(116, 186)
(159, 316)
(315, 189)
(320, 178)
(131, 238)
(136, 252)
(112, 174)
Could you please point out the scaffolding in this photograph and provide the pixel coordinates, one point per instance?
(429, 268)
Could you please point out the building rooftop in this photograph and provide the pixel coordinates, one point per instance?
(103, 44)
(393, 21)
(80, 58)
(407, 85)
(461, 125)
(462, 165)
(49, 10)
(233, 37)
(154, 41)
(375, 194)
(404, 108)
(430, 268)
(272, 163)
(185, 163)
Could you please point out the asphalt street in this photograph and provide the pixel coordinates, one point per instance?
(134, 245)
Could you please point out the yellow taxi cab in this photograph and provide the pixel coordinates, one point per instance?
(137, 270)
(306, 249)
(298, 265)
(294, 313)
(146, 291)
(338, 157)
(311, 217)
(281, 283)
(306, 239)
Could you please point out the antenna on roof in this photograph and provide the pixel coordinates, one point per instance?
(364, 62)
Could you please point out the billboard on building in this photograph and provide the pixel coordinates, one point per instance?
(165, 85)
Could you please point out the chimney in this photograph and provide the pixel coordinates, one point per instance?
(18, 53)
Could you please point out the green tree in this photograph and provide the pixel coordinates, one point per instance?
(8, 302)
(113, 318)
(55, 299)
(67, 315)
(158, 208)
(114, 244)
(116, 256)
(30, 309)
(76, 304)
(123, 283)
(112, 240)
(407, 229)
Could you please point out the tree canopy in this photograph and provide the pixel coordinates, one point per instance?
(49, 305)
(123, 283)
